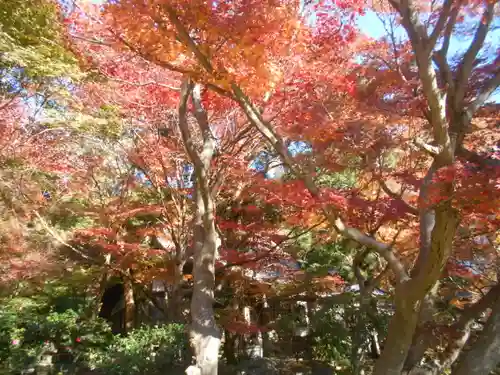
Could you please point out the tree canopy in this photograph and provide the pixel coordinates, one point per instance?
(250, 182)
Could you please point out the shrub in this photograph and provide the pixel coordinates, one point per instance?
(146, 350)
(29, 328)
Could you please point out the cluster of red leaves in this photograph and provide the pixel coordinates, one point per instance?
(33, 160)
(368, 213)
(316, 96)
(296, 201)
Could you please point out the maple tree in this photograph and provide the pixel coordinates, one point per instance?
(32, 156)
(447, 100)
(205, 65)
(185, 109)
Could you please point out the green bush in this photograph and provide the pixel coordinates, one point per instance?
(332, 339)
(146, 350)
(29, 328)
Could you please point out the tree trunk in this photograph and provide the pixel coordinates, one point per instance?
(484, 355)
(130, 308)
(424, 336)
(103, 283)
(230, 347)
(357, 352)
(410, 295)
(401, 330)
(205, 334)
(176, 305)
(264, 315)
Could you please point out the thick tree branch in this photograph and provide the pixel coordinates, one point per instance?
(476, 158)
(443, 52)
(150, 57)
(484, 94)
(441, 57)
(435, 99)
(187, 40)
(440, 24)
(336, 299)
(200, 114)
(186, 89)
(356, 265)
(201, 160)
(269, 133)
(415, 29)
(449, 31)
(459, 334)
(383, 249)
(462, 327)
(467, 63)
(484, 354)
(59, 239)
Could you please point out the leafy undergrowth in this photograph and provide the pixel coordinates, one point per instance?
(35, 331)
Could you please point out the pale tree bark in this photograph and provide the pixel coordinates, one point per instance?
(179, 239)
(204, 333)
(176, 297)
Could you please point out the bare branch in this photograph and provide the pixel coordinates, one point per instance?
(58, 238)
(397, 197)
(444, 68)
(383, 249)
(186, 39)
(150, 57)
(91, 40)
(415, 29)
(356, 265)
(200, 113)
(449, 31)
(440, 57)
(430, 149)
(269, 133)
(139, 84)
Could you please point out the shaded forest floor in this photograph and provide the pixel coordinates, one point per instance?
(261, 366)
